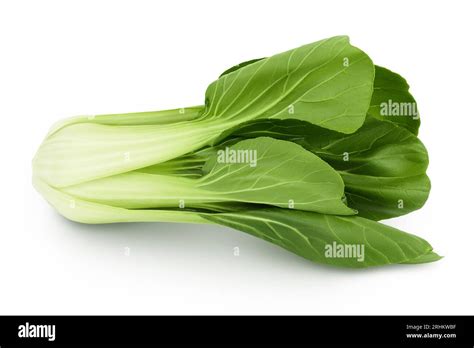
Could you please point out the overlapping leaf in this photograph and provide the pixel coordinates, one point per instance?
(328, 83)
(313, 235)
(383, 166)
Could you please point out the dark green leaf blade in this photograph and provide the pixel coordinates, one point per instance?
(379, 198)
(383, 166)
(392, 101)
(319, 237)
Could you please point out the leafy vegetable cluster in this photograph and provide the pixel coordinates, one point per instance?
(306, 149)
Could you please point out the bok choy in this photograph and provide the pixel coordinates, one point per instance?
(305, 149)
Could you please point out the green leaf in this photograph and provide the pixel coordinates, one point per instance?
(284, 175)
(320, 238)
(383, 166)
(388, 85)
(392, 101)
(328, 83)
(379, 198)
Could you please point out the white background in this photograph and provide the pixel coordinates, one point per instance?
(65, 58)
